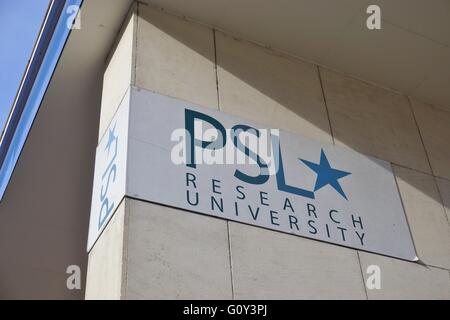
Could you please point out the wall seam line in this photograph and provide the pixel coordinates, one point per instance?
(429, 162)
(441, 198)
(409, 168)
(404, 211)
(326, 104)
(420, 134)
(436, 267)
(231, 260)
(414, 169)
(362, 275)
(124, 291)
(216, 68)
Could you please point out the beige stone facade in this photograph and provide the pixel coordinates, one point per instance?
(151, 251)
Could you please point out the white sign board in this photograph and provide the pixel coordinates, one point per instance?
(204, 161)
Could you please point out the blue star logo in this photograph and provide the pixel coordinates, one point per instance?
(326, 175)
(111, 137)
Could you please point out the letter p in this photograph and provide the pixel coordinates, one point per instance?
(192, 142)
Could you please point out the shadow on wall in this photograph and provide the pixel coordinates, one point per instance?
(45, 212)
(261, 85)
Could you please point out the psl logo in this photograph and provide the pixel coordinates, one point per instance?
(108, 177)
(326, 175)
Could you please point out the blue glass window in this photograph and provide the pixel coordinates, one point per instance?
(52, 32)
(20, 22)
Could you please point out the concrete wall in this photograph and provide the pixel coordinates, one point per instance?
(160, 252)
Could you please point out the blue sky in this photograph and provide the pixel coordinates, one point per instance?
(20, 21)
